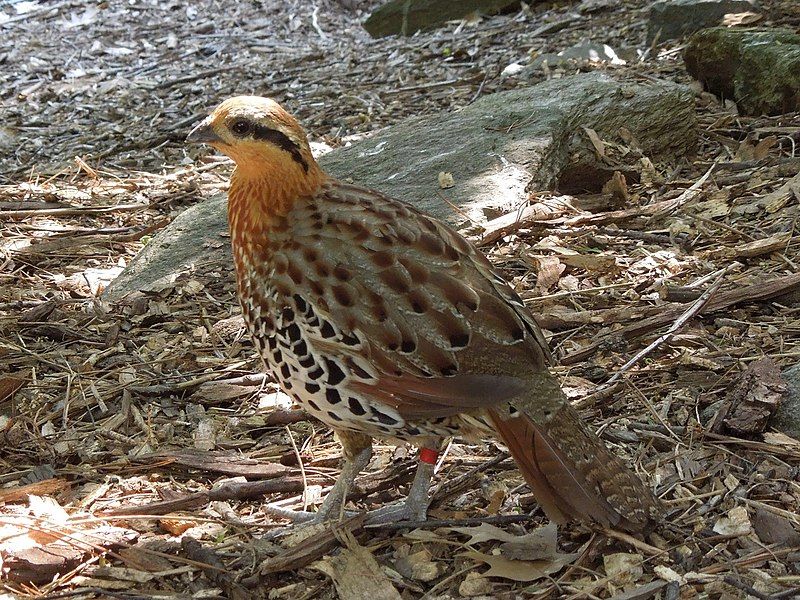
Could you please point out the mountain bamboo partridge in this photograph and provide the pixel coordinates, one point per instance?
(383, 322)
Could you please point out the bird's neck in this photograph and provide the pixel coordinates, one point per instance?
(258, 198)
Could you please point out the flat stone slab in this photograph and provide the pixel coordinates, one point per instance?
(498, 150)
(672, 19)
(757, 68)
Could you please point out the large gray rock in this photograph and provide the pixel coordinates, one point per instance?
(406, 17)
(787, 417)
(498, 149)
(671, 19)
(758, 68)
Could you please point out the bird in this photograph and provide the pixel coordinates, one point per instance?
(385, 323)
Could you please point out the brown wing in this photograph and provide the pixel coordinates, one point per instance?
(411, 296)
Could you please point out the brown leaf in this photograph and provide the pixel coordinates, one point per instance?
(774, 529)
(521, 570)
(356, 574)
(549, 272)
(763, 147)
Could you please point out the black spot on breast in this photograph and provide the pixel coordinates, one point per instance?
(287, 385)
(335, 373)
(356, 407)
(285, 372)
(313, 405)
(518, 333)
(316, 374)
(300, 304)
(293, 332)
(408, 346)
(287, 314)
(277, 356)
(332, 394)
(385, 419)
(334, 416)
(327, 330)
(312, 388)
(272, 342)
(359, 372)
(307, 361)
(350, 340)
(301, 348)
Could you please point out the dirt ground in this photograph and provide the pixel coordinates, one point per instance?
(140, 445)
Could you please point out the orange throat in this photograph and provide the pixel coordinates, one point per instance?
(260, 200)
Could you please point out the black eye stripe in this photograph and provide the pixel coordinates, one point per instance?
(282, 141)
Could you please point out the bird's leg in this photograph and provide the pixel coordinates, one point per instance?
(356, 451)
(333, 505)
(415, 506)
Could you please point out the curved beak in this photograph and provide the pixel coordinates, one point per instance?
(203, 133)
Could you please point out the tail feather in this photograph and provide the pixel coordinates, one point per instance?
(571, 472)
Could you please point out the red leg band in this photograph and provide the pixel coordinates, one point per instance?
(427, 455)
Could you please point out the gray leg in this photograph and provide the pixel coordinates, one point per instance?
(414, 507)
(357, 451)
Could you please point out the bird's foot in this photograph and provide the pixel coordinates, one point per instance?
(403, 511)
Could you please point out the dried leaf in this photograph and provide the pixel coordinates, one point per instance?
(520, 570)
(485, 533)
(598, 144)
(774, 529)
(622, 568)
(356, 574)
(548, 273)
(763, 147)
(735, 523)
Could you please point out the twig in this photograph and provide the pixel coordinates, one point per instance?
(434, 523)
(315, 24)
(748, 589)
(632, 541)
(694, 309)
(302, 468)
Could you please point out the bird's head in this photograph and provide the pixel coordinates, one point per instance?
(259, 135)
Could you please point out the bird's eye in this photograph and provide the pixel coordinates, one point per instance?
(240, 127)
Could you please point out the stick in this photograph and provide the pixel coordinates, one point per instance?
(315, 24)
(694, 309)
